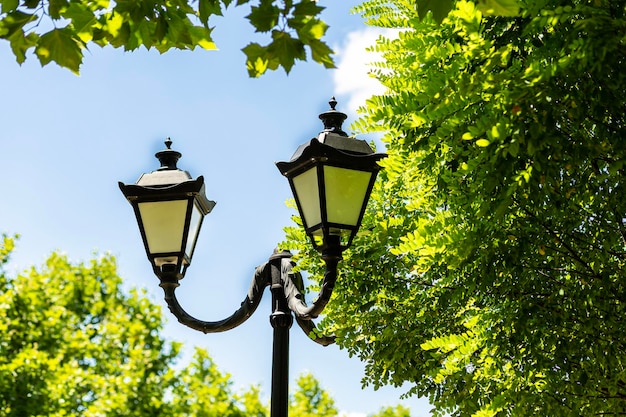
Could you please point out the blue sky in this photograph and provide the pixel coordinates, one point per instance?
(67, 140)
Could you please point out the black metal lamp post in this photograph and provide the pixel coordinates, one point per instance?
(331, 177)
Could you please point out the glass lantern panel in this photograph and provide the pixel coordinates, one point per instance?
(194, 229)
(344, 235)
(163, 224)
(307, 193)
(346, 191)
(318, 237)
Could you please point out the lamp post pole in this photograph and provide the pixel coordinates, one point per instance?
(331, 177)
(281, 320)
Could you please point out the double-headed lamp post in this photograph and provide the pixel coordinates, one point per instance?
(331, 177)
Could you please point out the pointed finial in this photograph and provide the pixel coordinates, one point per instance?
(333, 119)
(333, 103)
(168, 157)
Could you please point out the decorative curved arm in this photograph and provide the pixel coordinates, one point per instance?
(260, 280)
(292, 282)
(308, 327)
(293, 288)
(293, 291)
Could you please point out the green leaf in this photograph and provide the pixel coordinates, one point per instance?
(439, 8)
(14, 22)
(286, 49)
(307, 8)
(55, 7)
(7, 6)
(178, 33)
(208, 8)
(31, 4)
(499, 7)
(62, 47)
(201, 36)
(321, 53)
(264, 17)
(20, 44)
(313, 29)
(162, 27)
(83, 20)
(257, 61)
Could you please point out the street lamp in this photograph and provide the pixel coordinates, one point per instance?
(169, 206)
(331, 177)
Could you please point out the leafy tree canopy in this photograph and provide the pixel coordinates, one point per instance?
(383, 13)
(397, 411)
(310, 400)
(60, 30)
(74, 344)
(489, 270)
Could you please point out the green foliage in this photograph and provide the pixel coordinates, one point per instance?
(488, 273)
(201, 390)
(73, 344)
(310, 400)
(8, 244)
(398, 411)
(285, 49)
(498, 7)
(385, 13)
(59, 30)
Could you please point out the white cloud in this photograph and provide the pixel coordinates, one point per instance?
(352, 76)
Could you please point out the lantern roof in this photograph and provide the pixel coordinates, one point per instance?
(168, 181)
(331, 143)
(168, 174)
(333, 134)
